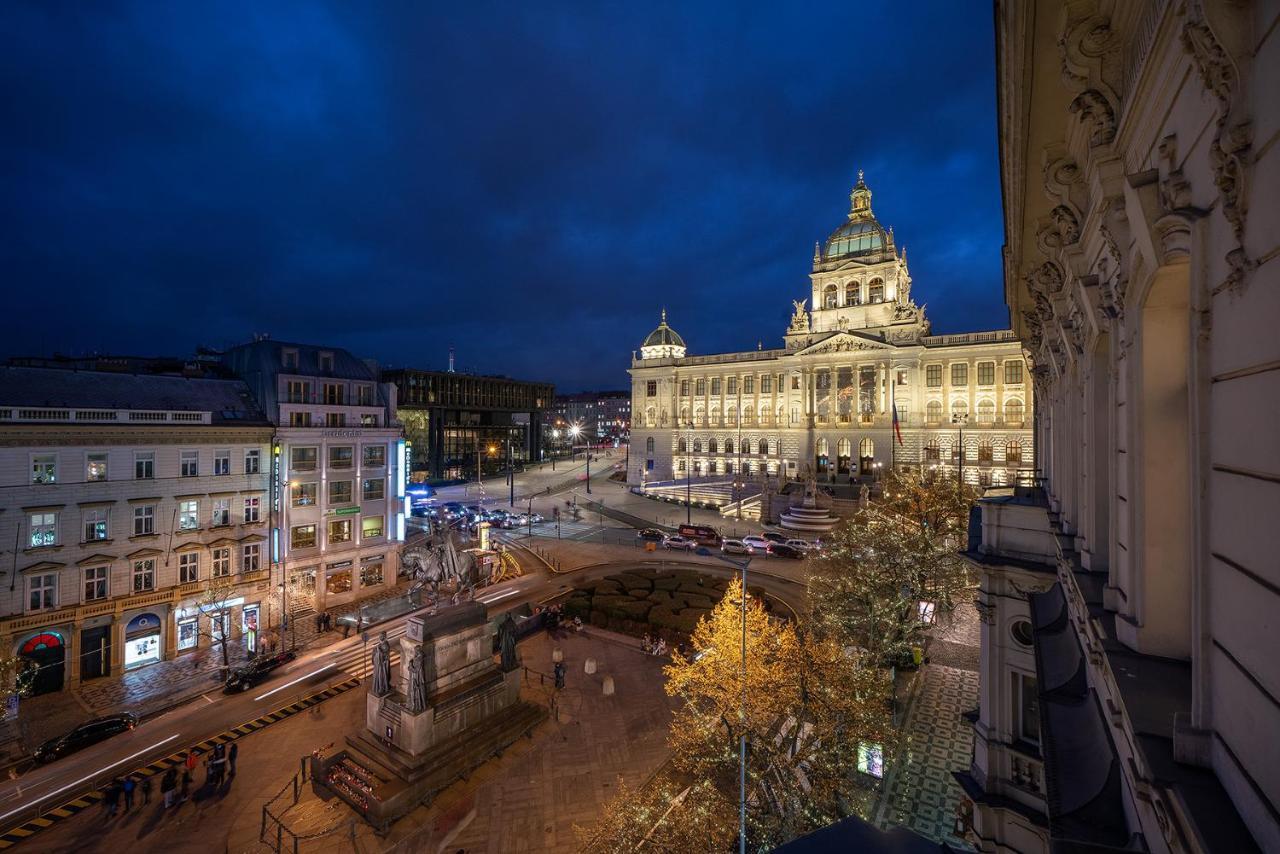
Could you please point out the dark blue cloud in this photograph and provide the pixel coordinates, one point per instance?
(529, 182)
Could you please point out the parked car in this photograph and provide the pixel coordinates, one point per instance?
(784, 550)
(536, 518)
(736, 547)
(87, 734)
(244, 678)
(758, 543)
(680, 543)
(775, 536)
(802, 545)
(651, 534)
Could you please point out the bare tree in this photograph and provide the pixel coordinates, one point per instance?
(213, 608)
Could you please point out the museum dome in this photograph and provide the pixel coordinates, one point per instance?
(862, 234)
(663, 341)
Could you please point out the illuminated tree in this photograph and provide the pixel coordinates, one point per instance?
(877, 569)
(807, 704)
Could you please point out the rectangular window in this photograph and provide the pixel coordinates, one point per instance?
(340, 531)
(221, 512)
(188, 515)
(303, 459)
(303, 536)
(375, 456)
(371, 527)
(986, 373)
(144, 465)
(96, 526)
(368, 420)
(251, 558)
(871, 759)
(96, 579)
(297, 391)
(341, 456)
(700, 388)
(748, 385)
(188, 567)
(960, 373)
(290, 359)
(144, 575)
(303, 494)
(95, 466)
(190, 464)
(1026, 708)
(715, 385)
(766, 384)
(188, 634)
(335, 419)
(338, 581)
(902, 377)
(373, 489)
(1012, 373)
(42, 592)
(335, 394)
(651, 388)
(795, 381)
(44, 468)
(732, 385)
(933, 376)
(371, 574)
(44, 530)
(221, 462)
(252, 461)
(221, 561)
(299, 419)
(252, 508)
(144, 520)
(684, 388)
(339, 492)
(326, 362)
(364, 395)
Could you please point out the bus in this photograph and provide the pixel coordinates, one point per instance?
(702, 534)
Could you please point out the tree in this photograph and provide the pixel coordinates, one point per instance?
(212, 607)
(876, 569)
(806, 706)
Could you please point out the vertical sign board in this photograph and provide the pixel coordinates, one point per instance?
(276, 489)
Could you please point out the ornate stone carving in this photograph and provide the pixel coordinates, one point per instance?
(1045, 280)
(1175, 192)
(1093, 107)
(799, 317)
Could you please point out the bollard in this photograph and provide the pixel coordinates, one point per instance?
(608, 686)
(589, 666)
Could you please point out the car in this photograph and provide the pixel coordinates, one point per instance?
(775, 536)
(679, 543)
(475, 510)
(651, 534)
(244, 678)
(87, 734)
(784, 550)
(736, 547)
(758, 543)
(802, 545)
(536, 518)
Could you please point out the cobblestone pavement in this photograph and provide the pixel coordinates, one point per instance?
(920, 793)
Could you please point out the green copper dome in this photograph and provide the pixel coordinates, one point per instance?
(862, 234)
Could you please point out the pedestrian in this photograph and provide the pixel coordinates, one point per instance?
(128, 786)
(113, 797)
(191, 760)
(169, 786)
(146, 790)
(231, 756)
(559, 672)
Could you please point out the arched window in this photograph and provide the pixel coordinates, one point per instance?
(823, 447)
(748, 415)
(713, 447)
(684, 415)
(728, 446)
(715, 416)
(844, 448)
(866, 448)
(986, 412)
(1013, 410)
(932, 453)
(853, 294)
(682, 447)
(731, 415)
(875, 291)
(830, 296)
(984, 451)
(697, 446)
(1013, 452)
(648, 445)
(933, 412)
(699, 416)
(959, 408)
(764, 447)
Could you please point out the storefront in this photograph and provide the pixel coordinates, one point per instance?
(43, 665)
(95, 647)
(249, 627)
(188, 633)
(337, 581)
(372, 572)
(142, 641)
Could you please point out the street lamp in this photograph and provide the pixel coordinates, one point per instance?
(960, 419)
(575, 431)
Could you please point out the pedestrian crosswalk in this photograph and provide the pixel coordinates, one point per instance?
(356, 659)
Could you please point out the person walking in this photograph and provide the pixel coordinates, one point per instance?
(191, 760)
(169, 786)
(127, 787)
(145, 785)
(231, 757)
(113, 797)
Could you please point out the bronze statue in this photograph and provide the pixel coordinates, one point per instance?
(381, 667)
(417, 698)
(507, 644)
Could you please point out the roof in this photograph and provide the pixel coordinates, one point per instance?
(266, 356)
(664, 335)
(229, 401)
(862, 234)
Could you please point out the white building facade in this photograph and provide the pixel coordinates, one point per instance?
(339, 465)
(1129, 637)
(826, 399)
(126, 496)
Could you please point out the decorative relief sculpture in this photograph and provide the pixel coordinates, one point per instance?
(799, 317)
(1093, 107)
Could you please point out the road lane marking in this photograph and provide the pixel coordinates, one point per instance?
(294, 682)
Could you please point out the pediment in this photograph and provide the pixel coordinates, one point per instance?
(843, 342)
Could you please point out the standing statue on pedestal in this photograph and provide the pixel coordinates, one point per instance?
(863, 495)
(810, 488)
(507, 644)
(417, 698)
(381, 667)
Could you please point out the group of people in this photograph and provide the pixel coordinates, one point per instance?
(125, 789)
(219, 766)
(554, 621)
(653, 645)
(324, 621)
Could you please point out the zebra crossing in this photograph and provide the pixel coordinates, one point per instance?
(357, 661)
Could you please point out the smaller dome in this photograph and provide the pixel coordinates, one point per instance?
(663, 336)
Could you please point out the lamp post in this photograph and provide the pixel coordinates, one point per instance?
(688, 477)
(511, 472)
(960, 419)
(574, 432)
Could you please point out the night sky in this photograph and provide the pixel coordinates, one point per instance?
(528, 182)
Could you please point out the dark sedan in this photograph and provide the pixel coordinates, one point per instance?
(244, 678)
(651, 534)
(784, 550)
(87, 734)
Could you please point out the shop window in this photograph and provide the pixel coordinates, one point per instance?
(371, 574)
(338, 581)
(871, 759)
(188, 633)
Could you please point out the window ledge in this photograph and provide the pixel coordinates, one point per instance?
(221, 527)
(106, 542)
(39, 550)
(139, 537)
(183, 531)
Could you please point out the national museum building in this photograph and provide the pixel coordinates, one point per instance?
(826, 398)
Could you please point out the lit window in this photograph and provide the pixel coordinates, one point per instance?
(371, 574)
(871, 759)
(44, 530)
(44, 468)
(95, 524)
(95, 466)
(340, 531)
(303, 494)
(371, 527)
(221, 512)
(188, 515)
(303, 536)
